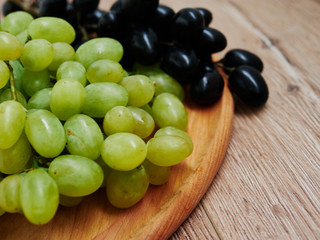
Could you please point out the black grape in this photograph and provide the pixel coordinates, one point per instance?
(207, 15)
(110, 25)
(138, 10)
(85, 6)
(9, 7)
(55, 8)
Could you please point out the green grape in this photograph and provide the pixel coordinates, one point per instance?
(167, 150)
(23, 37)
(16, 22)
(165, 83)
(99, 48)
(76, 176)
(62, 52)
(5, 74)
(143, 122)
(52, 29)
(45, 133)
(168, 110)
(140, 89)
(39, 196)
(40, 100)
(84, 137)
(10, 47)
(172, 131)
(105, 70)
(118, 119)
(126, 188)
(37, 55)
(157, 175)
(10, 193)
(2, 211)
(146, 70)
(106, 170)
(67, 201)
(123, 151)
(33, 82)
(12, 120)
(15, 158)
(67, 98)
(73, 70)
(101, 97)
(7, 95)
(147, 108)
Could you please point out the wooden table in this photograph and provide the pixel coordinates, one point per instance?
(268, 185)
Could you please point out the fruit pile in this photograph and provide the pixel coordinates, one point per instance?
(92, 98)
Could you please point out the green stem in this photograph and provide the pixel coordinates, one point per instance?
(12, 85)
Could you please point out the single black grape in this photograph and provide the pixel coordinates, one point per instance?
(238, 57)
(207, 88)
(207, 15)
(9, 7)
(71, 16)
(85, 6)
(92, 17)
(110, 25)
(137, 10)
(248, 84)
(55, 8)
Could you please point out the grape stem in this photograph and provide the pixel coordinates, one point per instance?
(12, 85)
(220, 65)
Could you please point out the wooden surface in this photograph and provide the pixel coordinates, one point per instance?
(268, 185)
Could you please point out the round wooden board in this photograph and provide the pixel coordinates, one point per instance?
(162, 210)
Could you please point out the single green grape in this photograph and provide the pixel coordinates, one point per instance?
(7, 95)
(76, 176)
(12, 120)
(123, 151)
(99, 48)
(67, 201)
(37, 55)
(15, 158)
(62, 52)
(168, 110)
(23, 37)
(143, 122)
(45, 133)
(10, 47)
(157, 175)
(118, 119)
(84, 136)
(33, 82)
(105, 70)
(40, 100)
(126, 188)
(72, 70)
(52, 29)
(39, 196)
(101, 97)
(5, 74)
(10, 193)
(140, 89)
(106, 170)
(67, 98)
(16, 22)
(167, 150)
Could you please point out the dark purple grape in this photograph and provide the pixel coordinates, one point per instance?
(238, 57)
(92, 17)
(110, 25)
(181, 63)
(55, 8)
(138, 10)
(187, 25)
(71, 15)
(9, 7)
(207, 88)
(85, 6)
(248, 84)
(207, 15)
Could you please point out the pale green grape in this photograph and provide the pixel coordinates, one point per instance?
(76, 176)
(23, 37)
(67, 98)
(4, 74)
(37, 55)
(167, 150)
(62, 52)
(143, 122)
(106, 170)
(73, 70)
(140, 89)
(118, 119)
(15, 158)
(52, 29)
(40, 100)
(10, 47)
(165, 83)
(84, 137)
(157, 175)
(126, 188)
(123, 151)
(67, 201)
(33, 82)
(101, 97)
(39, 196)
(105, 70)
(168, 110)
(45, 133)
(12, 119)
(16, 22)
(10, 193)
(7, 95)
(147, 108)
(99, 48)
